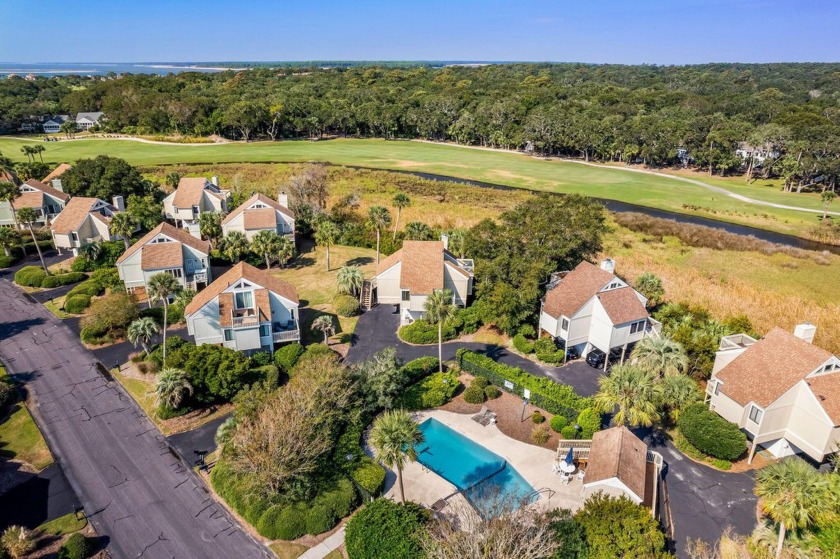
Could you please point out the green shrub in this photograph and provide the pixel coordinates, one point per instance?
(590, 422)
(7, 261)
(346, 305)
(338, 501)
(62, 279)
(540, 434)
(569, 432)
(77, 546)
(555, 358)
(110, 315)
(165, 412)
(282, 523)
(545, 345)
(89, 287)
(712, 434)
(480, 382)
(492, 392)
(260, 359)
(269, 374)
(474, 395)
(30, 276)
(318, 520)
(419, 368)
(523, 345)
(386, 530)
(8, 395)
(76, 304)
(431, 392)
(370, 476)
(422, 333)
(527, 331)
(537, 417)
(287, 356)
(468, 319)
(108, 278)
(557, 423)
(545, 393)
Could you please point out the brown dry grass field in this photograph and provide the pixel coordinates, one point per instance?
(772, 289)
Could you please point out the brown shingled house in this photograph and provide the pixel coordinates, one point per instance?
(84, 220)
(261, 213)
(408, 276)
(46, 200)
(781, 390)
(246, 309)
(591, 308)
(193, 197)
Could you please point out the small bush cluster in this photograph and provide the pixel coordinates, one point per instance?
(419, 368)
(346, 305)
(287, 356)
(90, 287)
(386, 530)
(431, 392)
(62, 279)
(547, 351)
(370, 476)
(537, 418)
(557, 423)
(8, 395)
(540, 434)
(569, 432)
(77, 546)
(109, 252)
(76, 304)
(522, 344)
(7, 261)
(492, 392)
(30, 276)
(423, 333)
(108, 317)
(589, 422)
(711, 434)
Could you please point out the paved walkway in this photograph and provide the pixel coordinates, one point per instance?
(377, 330)
(325, 547)
(134, 487)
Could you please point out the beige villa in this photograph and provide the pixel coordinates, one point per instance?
(166, 249)
(193, 197)
(47, 201)
(782, 390)
(408, 276)
(591, 308)
(261, 213)
(84, 220)
(246, 309)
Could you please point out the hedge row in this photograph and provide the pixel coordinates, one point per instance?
(422, 333)
(712, 434)
(34, 276)
(545, 393)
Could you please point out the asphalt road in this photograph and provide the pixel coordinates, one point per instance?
(39, 498)
(377, 330)
(134, 487)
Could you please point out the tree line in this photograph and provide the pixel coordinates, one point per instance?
(654, 115)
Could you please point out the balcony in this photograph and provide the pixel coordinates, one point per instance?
(245, 317)
(653, 328)
(285, 332)
(467, 264)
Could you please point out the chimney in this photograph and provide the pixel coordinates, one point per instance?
(56, 183)
(119, 203)
(283, 199)
(805, 331)
(214, 180)
(445, 240)
(608, 265)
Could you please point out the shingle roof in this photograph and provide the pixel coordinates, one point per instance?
(258, 198)
(188, 193)
(622, 305)
(47, 189)
(769, 368)
(574, 290)
(618, 453)
(95, 116)
(242, 271)
(262, 218)
(422, 266)
(826, 389)
(157, 256)
(57, 172)
(73, 215)
(170, 231)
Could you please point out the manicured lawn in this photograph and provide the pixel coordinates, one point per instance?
(20, 438)
(288, 550)
(142, 391)
(63, 525)
(316, 286)
(509, 169)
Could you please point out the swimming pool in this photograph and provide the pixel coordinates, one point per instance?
(488, 481)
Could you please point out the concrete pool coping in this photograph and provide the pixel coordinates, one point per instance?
(532, 462)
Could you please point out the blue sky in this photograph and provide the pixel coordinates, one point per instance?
(610, 31)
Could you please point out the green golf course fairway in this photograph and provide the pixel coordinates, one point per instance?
(510, 169)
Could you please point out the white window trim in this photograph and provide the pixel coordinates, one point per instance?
(755, 408)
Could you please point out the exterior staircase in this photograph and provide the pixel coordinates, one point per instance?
(366, 297)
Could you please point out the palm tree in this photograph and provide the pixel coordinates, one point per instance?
(172, 179)
(17, 541)
(210, 226)
(39, 149)
(794, 494)
(141, 332)
(9, 192)
(457, 240)
(650, 286)
(9, 238)
(183, 297)
(225, 432)
(160, 287)
(439, 308)
(285, 251)
(378, 219)
(123, 225)
(676, 392)
(661, 355)
(27, 151)
(234, 245)
(349, 280)
(400, 201)
(325, 325)
(267, 244)
(632, 393)
(326, 235)
(90, 250)
(827, 198)
(394, 437)
(28, 217)
(418, 231)
(171, 385)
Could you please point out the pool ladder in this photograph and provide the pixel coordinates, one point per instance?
(536, 492)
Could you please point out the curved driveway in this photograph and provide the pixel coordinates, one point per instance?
(135, 489)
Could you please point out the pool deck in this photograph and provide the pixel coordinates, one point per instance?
(532, 462)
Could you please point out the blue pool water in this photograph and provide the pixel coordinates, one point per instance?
(488, 481)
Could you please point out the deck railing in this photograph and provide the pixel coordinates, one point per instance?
(287, 336)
